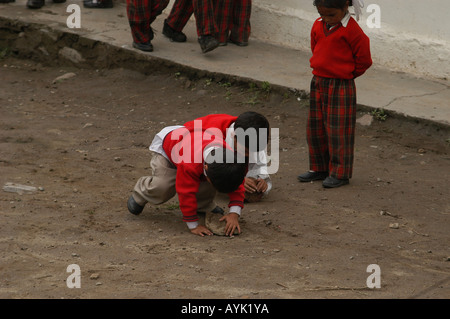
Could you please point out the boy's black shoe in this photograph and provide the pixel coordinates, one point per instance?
(98, 4)
(312, 176)
(175, 36)
(208, 43)
(35, 4)
(147, 47)
(134, 207)
(7, 1)
(333, 182)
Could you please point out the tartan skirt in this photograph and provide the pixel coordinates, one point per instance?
(331, 126)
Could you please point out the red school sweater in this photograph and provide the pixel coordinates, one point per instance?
(190, 168)
(340, 53)
(220, 121)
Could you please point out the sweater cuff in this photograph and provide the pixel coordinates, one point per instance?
(236, 209)
(192, 225)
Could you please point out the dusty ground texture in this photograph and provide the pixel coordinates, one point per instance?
(84, 142)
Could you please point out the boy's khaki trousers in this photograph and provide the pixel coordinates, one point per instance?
(160, 187)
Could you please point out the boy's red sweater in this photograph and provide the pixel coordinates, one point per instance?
(340, 53)
(219, 121)
(190, 170)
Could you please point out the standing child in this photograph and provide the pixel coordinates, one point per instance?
(341, 53)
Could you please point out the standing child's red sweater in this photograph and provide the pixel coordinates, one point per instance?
(342, 52)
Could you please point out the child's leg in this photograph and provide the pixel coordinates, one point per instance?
(158, 188)
(240, 28)
(205, 197)
(156, 8)
(138, 12)
(341, 127)
(205, 18)
(179, 15)
(315, 131)
(222, 10)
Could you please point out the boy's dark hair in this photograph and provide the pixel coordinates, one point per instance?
(228, 172)
(251, 120)
(337, 4)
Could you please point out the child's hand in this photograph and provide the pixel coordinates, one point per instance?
(250, 185)
(232, 220)
(201, 231)
(261, 185)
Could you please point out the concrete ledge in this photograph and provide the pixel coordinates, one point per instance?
(104, 41)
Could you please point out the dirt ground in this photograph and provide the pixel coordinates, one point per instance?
(83, 142)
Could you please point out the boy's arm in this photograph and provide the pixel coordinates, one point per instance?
(236, 204)
(187, 184)
(257, 168)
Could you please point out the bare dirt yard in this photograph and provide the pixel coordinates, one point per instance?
(83, 142)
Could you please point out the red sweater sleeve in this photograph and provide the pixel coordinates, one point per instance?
(187, 184)
(360, 45)
(237, 197)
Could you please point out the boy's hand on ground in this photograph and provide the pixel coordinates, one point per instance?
(201, 231)
(232, 220)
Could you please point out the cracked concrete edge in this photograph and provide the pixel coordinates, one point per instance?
(43, 43)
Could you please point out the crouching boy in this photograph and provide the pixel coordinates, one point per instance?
(193, 166)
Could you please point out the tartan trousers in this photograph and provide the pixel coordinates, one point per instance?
(203, 11)
(141, 14)
(331, 126)
(214, 17)
(233, 20)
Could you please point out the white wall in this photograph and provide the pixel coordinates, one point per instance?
(414, 36)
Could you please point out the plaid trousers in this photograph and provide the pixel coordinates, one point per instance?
(233, 19)
(203, 11)
(331, 126)
(141, 14)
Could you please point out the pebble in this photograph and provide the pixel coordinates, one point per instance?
(94, 276)
(64, 77)
(394, 226)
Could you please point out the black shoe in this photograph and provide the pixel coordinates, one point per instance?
(208, 43)
(134, 207)
(175, 36)
(7, 1)
(35, 4)
(241, 44)
(312, 176)
(147, 47)
(333, 182)
(100, 4)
